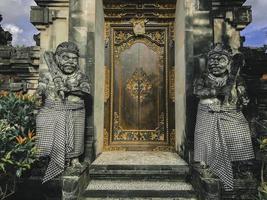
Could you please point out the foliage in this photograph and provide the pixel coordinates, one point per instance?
(263, 186)
(263, 191)
(263, 143)
(17, 132)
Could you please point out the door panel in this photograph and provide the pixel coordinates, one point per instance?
(138, 104)
(138, 94)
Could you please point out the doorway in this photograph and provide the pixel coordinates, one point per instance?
(139, 100)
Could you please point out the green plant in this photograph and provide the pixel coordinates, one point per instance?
(17, 133)
(263, 143)
(263, 185)
(17, 129)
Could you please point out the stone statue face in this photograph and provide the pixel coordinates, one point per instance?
(218, 64)
(68, 62)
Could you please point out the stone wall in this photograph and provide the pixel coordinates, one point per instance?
(19, 68)
(51, 19)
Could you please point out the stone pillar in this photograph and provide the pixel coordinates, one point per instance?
(193, 34)
(87, 31)
(180, 71)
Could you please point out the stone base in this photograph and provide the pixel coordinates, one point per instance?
(206, 188)
(212, 188)
(74, 183)
(66, 187)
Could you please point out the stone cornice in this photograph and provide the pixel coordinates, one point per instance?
(219, 4)
(232, 11)
(24, 57)
(20, 65)
(52, 3)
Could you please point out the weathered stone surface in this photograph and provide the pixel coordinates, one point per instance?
(139, 165)
(138, 188)
(74, 184)
(66, 187)
(148, 198)
(139, 158)
(138, 174)
(212, 188)
(20, 66)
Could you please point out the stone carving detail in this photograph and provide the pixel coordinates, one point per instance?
(139, 85)
(61, 120)
(222, 133)
(5, 36)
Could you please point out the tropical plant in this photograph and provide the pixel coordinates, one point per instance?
(17, 134)
(263, 186)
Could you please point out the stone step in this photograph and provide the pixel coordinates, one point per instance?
(139, 175)
(138, 198)
(138, 172)
(138, 188)
(135, 165)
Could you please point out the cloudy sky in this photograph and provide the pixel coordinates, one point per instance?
(256, 32)
(16, 19)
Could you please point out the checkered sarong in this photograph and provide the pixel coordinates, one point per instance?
(60, 134)
(222, 135)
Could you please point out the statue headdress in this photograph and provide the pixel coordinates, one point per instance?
(219, 48)
(67, 47)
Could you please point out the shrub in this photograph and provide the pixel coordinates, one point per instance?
(17, 133)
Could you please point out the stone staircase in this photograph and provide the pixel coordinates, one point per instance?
(139, 175)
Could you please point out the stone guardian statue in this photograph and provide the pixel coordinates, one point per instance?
(60, 122)
(222, 133)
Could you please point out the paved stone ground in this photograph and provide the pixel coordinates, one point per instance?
(139, 158)
(141, 198)
(138, 185)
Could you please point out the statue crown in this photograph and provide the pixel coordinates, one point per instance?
(219, 48)
(67, 47)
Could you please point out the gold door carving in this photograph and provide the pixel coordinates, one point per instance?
(137, 107)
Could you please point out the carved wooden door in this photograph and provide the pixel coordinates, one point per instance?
(138, 106)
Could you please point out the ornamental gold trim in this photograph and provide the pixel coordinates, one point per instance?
(139, 26)
(172, 84)
(156, 135)
(139, 85)
(107, 84)
(107, 147)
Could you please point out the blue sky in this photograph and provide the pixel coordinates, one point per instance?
(16, 19)
(256, 32)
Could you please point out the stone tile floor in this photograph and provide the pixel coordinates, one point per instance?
(138, 185)
(134, 198)
(139, 158)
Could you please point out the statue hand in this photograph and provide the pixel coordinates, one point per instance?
(241, 90)
(61, 95)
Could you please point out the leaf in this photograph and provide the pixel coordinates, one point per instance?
(8, 155)
(2, 167)
(19, 172)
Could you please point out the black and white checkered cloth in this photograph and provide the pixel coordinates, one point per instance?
(222, 135)
(60, 134)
